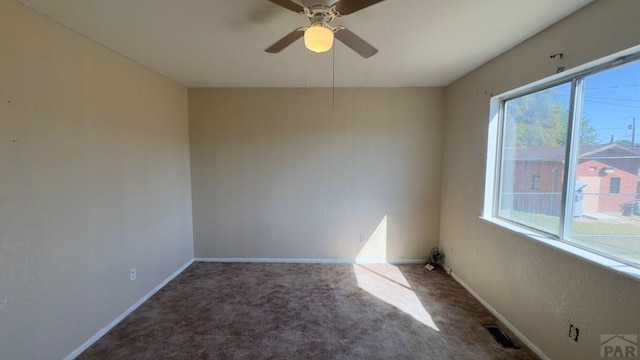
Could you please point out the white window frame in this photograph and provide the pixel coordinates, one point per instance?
(494, 153)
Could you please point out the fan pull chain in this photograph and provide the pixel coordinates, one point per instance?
(306, 53)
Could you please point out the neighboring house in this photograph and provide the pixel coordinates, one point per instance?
(607, 178)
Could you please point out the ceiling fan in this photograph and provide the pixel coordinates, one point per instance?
(318, 37)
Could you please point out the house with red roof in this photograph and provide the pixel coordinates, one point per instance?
(607, 178)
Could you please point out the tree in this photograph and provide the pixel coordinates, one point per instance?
(541, 120)
(588, 134)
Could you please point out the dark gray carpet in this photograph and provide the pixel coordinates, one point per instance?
(306, 311)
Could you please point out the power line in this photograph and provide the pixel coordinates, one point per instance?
(611, 87)
(608, 98)
(606, 103)
(616, 128)
(600, 87)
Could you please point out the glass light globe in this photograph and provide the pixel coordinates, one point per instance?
(318, 38)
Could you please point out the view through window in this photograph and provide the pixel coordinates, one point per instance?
(569, 161)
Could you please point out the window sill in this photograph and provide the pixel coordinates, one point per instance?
(612, 265)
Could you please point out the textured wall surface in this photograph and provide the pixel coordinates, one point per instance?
(538, 289)
(279, 173)
(94, 180)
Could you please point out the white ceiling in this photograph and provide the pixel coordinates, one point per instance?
(220, 43)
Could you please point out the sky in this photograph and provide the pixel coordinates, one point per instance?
(612, 100)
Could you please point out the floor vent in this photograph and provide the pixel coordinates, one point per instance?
(500, 337)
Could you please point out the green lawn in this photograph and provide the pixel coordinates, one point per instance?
(619, 237)
(609, 228)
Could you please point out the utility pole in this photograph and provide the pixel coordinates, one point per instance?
(633, 133)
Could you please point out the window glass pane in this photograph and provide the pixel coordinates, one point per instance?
(535, 182)
(607, 210)
(614, 186)
(534, 147)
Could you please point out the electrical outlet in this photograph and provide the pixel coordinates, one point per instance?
(363, 238)
(132, 274)
(574, 332)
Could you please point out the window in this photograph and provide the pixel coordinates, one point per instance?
(535, 182)
(553, 148)
(614, 186)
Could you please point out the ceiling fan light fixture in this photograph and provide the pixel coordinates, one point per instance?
(318, 38)
(320, 35)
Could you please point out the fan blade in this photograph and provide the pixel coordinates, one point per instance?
(356, 43)
(346, 7)
(288, 4)
(287, 40)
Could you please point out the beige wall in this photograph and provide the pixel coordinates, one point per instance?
(94, 179)
(538, 289)
(278, 173)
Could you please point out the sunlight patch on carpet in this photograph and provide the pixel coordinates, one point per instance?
(385, 281)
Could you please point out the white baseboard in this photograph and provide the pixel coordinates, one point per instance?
(121, 317)
(391, 261)
(448, 271)
(313, 261)
(502, 319)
